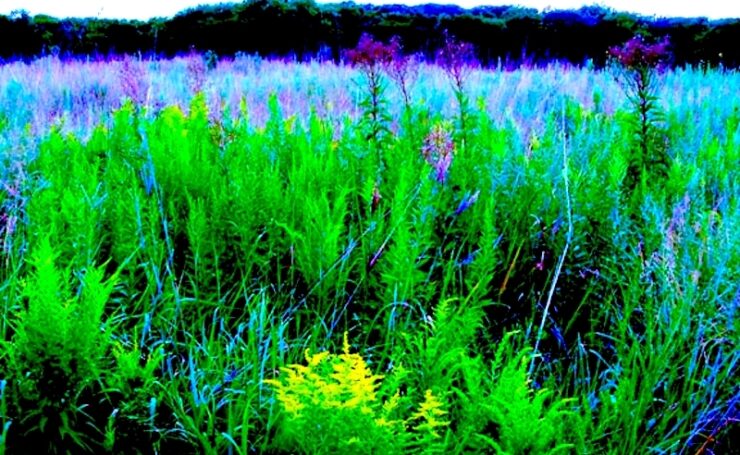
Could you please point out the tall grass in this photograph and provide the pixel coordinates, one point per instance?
(179, 271)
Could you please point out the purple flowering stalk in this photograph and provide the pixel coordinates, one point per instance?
(403, 70)
(371, 58)
(457, 60)
(438, 151)
(639, 63)
(467, 202)
(636, 54)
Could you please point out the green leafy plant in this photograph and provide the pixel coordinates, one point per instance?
(372, 57)
(60, 343)
(429, 424)
(528, 420)
(4, 420)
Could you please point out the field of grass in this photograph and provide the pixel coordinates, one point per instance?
(245, 259)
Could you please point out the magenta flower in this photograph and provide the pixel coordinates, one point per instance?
(636, 53)
(371, 54)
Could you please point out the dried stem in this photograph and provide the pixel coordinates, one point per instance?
(568, 239)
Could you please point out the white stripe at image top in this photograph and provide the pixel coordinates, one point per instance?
(146, 9)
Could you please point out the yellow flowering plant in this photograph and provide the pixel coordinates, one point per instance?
(331, 405)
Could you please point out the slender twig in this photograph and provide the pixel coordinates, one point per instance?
(568, 238)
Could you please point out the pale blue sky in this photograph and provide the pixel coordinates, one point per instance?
(144, 9)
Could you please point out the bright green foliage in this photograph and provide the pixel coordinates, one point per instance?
(57, 327)
(135, 376)
(60, 343)
(429, 424)
(528, 420)
(67, 201)
(498, 411)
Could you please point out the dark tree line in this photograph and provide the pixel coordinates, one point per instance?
(303, 29)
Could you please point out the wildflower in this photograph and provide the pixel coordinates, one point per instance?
(196, 73)
(540, 265)
(635, 53)
(456, 59)
(371, 57)
(638, 63)
(376, 199)
(370, 54)
(467, 202)
(467, 260)
(327, 381)
(438, 151)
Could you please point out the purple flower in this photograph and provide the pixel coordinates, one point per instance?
(196, 72)
(370, 54)
(636, 53)
(456, 59)
(438, 151)
(467, 202)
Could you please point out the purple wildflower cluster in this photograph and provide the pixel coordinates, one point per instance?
(456, 58)
(371, 54)
(438, 151)
(375, 59)
(636, 53)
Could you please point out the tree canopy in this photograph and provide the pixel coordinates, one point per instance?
(303, 29)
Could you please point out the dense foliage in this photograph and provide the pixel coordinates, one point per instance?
(241, 258)
(303, 29)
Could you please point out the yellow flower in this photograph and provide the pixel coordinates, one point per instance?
(351, 385)
(314, 360)
(429, 412)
